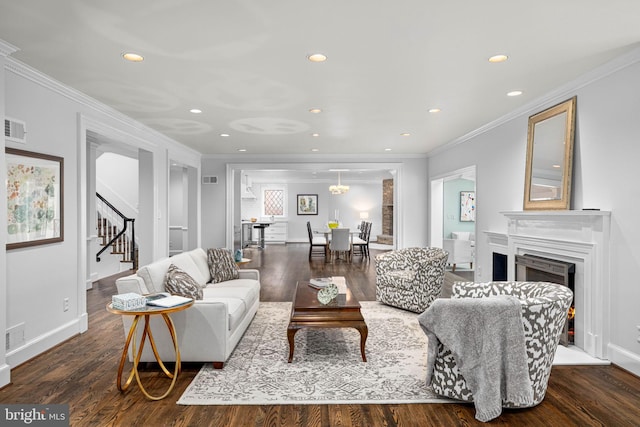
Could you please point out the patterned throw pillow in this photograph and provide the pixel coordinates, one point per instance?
(178, 282)
(222, 266)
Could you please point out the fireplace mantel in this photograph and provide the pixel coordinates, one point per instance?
(581, 237)
(581, 226)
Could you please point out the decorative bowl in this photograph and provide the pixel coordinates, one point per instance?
(333, 224)
(328, 293)
(254, 219)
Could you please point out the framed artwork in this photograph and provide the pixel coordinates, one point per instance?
(35, 194)
(467, 206)
(307, 204)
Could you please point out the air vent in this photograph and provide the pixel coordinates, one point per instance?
(15, 130)
(209, 179)
(14, 337)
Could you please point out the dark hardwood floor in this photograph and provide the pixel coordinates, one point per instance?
(82, 371)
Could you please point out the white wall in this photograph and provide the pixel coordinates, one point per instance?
(5, 369)
(214, 199)
(38, 278)
(605, 174)
(117, 181)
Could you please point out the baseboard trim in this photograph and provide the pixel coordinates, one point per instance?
(5, 375)
(625, 359)
(43, 343)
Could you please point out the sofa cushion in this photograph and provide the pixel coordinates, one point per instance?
(178, 282)
(185, 262)
(246, 290)
(199, 257)
(222, 266)
(153, 275)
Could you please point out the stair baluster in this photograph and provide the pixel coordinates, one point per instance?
(110, 220)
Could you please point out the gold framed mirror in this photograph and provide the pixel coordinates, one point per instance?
(550, 141)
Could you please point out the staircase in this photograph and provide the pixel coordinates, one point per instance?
(116, 232)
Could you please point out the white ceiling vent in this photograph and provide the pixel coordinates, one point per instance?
(15, 130)
(209, 179)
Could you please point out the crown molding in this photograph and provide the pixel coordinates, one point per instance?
(551, 98)
(311, 157)
(23, 70)
(7, 49)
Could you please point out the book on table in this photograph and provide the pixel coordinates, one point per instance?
(165, 299)
(320, 282)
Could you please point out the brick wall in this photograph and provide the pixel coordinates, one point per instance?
(387, 207)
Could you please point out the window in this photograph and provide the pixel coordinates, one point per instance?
(274, 201)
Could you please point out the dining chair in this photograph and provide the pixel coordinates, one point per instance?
(316, 242)
(340, 243)
(361, 242)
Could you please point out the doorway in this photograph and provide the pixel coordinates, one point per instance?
(183, 208)
(313, 178)
(453, 214)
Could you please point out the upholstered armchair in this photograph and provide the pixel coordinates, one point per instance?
(410, 278)
(544, 312)
(460, 252)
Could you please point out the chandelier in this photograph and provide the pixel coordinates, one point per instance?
(338, 189)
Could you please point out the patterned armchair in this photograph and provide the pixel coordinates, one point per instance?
(410, 278)
(544, 312)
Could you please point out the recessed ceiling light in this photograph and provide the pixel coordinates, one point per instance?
(224, 135)
(387, 149)
(195, 111)
(515, 93)
(242, 150)
(315, 110)
(405, 134)
(315, 134)
(498, 58)
(557, 166)
(133, 57)
(434, 110)
(317, 57)
(315, 150)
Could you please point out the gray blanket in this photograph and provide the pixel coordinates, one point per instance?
(486, 337)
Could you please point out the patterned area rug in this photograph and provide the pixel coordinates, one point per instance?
(327, 367)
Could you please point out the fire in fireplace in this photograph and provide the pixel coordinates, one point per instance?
(534, 268)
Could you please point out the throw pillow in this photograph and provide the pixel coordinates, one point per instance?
(222, 266)
(179, 282)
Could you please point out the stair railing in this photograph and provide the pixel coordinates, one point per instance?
(110, 220)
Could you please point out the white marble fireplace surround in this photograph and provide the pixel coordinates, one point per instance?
(580, 237)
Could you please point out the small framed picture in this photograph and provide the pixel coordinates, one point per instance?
(307, 204)
(467, 206)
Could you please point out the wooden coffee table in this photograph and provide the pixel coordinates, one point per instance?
(307, 312)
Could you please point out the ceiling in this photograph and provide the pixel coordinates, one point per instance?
(244, 64)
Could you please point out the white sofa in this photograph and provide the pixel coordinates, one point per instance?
(211, 329)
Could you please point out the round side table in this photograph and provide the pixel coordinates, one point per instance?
(147, 312)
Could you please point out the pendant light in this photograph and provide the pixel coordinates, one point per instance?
(338, 189)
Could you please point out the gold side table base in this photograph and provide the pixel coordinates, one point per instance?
(137, 352)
